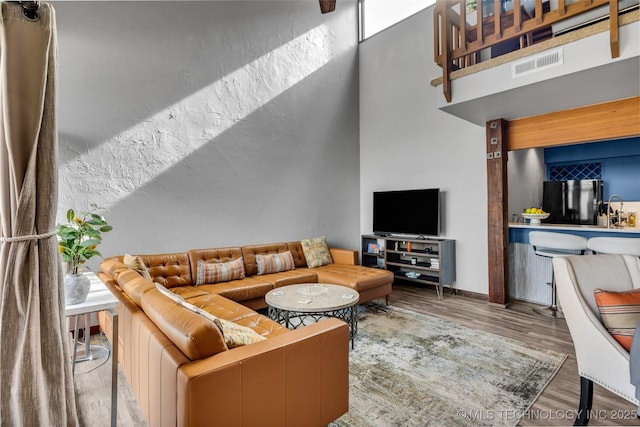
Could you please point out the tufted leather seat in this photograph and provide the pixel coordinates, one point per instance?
(181, 373)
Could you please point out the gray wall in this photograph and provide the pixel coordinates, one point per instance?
(406, 142)
(208, 124)
(526, 172)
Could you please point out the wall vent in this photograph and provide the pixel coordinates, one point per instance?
(538, 62)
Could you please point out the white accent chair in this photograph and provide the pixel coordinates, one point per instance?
(600, 358)
(550, 245)
(615, 245)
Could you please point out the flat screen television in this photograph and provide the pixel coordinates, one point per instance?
(407, 212)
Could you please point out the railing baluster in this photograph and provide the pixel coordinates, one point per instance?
(539, 11)
(614, 35)
(437, 55)
(562, 8)
(517, 18)
(479, 25)
(463, 25)
(497, 18)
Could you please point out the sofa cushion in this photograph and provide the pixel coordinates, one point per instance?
(298, 254)
(240, 290)
(274, 263)
(136, 263)
(316, 252)
(134, 285)
(166, 292)
(250, 252)
(354, 276)
(619, 313)
(217, 272)
(211, 256)
(169, 269)
(234, 335)
(237, 313)
(195, 336)
(291, 277)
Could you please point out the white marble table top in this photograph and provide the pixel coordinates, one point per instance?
(312, 297)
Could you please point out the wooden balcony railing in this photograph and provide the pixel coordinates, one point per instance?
(457, 43)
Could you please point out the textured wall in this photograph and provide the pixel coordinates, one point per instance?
(204, 124)
(406, 142)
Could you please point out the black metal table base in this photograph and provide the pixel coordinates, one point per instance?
(296, 319)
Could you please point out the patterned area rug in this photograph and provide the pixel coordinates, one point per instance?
(410, 369)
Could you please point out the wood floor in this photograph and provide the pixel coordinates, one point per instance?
(556, 406)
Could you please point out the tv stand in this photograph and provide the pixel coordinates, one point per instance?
(422, 259)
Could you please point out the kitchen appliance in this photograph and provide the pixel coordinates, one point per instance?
(573, 201)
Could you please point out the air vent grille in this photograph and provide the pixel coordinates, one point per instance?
(538, 62)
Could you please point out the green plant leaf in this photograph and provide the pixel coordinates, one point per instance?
(70, 215)
(106, 228)
(89, 242)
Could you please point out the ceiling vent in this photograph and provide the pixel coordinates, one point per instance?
(537, 62)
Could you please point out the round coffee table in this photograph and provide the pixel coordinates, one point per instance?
(297, 305)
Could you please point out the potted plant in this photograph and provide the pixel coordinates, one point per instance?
(78, 240)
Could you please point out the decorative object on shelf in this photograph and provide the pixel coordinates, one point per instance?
(373, 248)
(79, 238)
(412, 274)
(534, 215)
(534, 219)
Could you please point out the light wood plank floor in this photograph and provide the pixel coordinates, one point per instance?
(555, 406)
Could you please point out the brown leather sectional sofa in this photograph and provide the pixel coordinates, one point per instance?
(179, 367)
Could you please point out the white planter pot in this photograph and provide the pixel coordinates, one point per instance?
(76, 288)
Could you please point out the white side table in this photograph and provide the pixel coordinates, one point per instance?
(100, 298)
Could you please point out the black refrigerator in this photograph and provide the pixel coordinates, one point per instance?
(572, 202)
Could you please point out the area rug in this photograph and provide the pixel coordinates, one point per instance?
(410, 369)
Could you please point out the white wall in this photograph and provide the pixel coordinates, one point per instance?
(206, 124)
(406, 142)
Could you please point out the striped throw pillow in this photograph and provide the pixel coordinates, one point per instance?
(273, 263)
(619, 313)
(219, 271)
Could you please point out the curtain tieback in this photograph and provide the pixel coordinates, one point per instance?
(28, 237)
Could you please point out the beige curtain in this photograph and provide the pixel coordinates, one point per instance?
(36, 386)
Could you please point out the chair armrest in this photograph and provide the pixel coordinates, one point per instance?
(344, 256)
(600, 358)
(298, 378)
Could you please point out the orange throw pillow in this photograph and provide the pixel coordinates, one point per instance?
(619, 313)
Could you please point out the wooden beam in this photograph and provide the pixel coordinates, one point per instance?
(497, 201)
(610, 120)
(327, 6)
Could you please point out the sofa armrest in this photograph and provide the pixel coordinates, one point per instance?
(298, 378)
(344, 256)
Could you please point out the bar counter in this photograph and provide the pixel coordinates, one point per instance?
(528, 273)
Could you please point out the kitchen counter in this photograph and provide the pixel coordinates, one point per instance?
(576, 228)
(528, 273)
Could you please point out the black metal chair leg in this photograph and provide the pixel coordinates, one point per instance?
(586, 399)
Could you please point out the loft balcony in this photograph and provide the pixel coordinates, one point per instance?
(501, 56)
